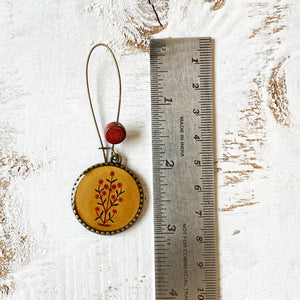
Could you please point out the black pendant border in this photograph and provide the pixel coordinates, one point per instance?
(96, 230)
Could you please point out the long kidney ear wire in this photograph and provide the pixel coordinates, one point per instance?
(115, 157)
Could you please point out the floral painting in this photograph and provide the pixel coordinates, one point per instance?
(108, 196)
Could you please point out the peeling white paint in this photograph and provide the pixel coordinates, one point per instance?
(45, 117)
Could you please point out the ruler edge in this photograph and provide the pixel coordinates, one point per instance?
(212, 77)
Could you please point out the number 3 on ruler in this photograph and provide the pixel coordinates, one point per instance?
(171, 227)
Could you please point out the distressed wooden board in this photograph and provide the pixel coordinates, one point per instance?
(47, 139)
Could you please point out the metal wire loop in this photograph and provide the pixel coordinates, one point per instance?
(114, 155)
(116, 158)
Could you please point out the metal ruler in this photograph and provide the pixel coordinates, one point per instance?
(183, 168)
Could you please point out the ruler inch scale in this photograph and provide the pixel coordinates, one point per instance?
(183, 169)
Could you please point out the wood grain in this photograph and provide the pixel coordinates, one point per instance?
(47, 139)
(217, 4)
(136, 21)
(277, 89)
(13, 242)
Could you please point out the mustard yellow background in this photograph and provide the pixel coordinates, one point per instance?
(85, 201)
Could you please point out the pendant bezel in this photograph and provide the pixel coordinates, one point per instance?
(131, 222)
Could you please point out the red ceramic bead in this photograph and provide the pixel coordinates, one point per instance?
(114, 133)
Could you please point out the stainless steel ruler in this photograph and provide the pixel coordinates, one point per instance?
(183, 168)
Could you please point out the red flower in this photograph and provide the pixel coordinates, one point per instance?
(100, 181)
(113, 197)
(97, 208)
(97, 196)
(114, 211)
(119, 184)
(113, 187)
(103, 193)
(120, 199)
(112, 173)
(106, 186)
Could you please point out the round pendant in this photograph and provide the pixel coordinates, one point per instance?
(107, 198)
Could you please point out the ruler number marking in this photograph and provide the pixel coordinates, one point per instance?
(196, 112)
(170, 163)
(169, 100)
(197, 138)
(200, 264)
(197, 162)
(198, 188)
(173, 293)
(171, 228)
(199, 213)
(199, 238)
(202, 283)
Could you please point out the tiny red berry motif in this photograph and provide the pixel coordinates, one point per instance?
(108, 201)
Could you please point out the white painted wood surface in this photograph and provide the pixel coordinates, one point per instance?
(47, 138)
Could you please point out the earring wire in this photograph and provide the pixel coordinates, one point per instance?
(114, 155)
